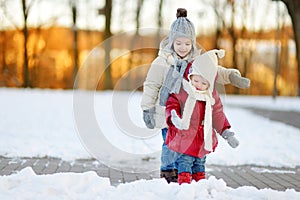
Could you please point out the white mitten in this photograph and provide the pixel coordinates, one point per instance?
(176, 120)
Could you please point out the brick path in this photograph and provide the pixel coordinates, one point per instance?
(235, 176)
(288, 117)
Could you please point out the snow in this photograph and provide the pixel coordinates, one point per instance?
(261, 170)
(71, 125)
(284, 103)
(27, 185)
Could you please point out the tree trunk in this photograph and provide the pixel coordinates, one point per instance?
(75, 39)
(234, 41)
(3, 55)
(220, 22)
(293, 7)
(135, 39)
(107, 43)
(26, 82)
(136, 34)
(159, 24)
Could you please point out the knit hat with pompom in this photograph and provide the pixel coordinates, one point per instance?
(181, 27)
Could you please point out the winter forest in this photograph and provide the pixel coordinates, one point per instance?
(73, 124)
(111, 43)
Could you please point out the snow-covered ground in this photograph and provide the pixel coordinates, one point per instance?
(108, 125)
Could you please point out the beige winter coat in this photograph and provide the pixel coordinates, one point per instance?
(156, 77)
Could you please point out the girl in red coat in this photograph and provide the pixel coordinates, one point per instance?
(193, 117)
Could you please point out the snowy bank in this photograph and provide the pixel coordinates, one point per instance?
(27, 185)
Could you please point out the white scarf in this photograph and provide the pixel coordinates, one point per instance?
(194, 96)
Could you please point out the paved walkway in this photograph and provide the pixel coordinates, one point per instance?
(288, 117)
(235, 176)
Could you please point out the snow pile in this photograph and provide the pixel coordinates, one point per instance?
(27, 185)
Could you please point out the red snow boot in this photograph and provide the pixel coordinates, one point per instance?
(198, 176)
(184, 177)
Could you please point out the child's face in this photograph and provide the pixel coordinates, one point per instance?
(199, 82)
(182, 46)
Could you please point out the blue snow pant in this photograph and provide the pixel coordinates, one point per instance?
(182, 162)
(167, 155)
(190, 164)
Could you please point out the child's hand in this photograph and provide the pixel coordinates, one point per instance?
(176, 120)
(229, 137)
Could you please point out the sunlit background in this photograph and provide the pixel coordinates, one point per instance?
(43, 44)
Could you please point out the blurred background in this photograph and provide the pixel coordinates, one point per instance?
(44, 44)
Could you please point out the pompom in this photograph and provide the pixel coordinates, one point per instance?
(170, 59)
(221, 53)
(181, 12)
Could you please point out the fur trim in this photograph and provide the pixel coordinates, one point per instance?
(165, 49)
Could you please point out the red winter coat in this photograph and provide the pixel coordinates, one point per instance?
(191, 141)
